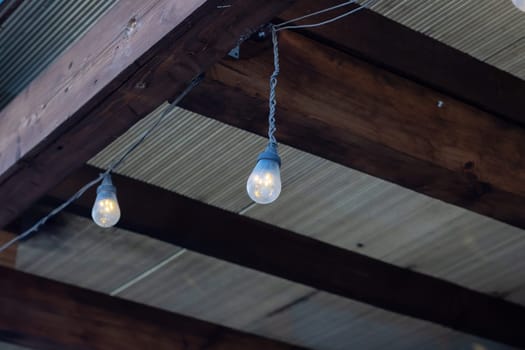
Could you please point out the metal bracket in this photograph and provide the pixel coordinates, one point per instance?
(259, 35)
(235, 52)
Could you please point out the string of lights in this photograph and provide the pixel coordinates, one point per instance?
(106, 211)
(264, 183)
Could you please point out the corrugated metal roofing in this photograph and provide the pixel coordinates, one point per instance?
(210, 161)
(76, 251)
(37, 33)
(228, 294)
(5, 346)
(492, 31)
(70, 250)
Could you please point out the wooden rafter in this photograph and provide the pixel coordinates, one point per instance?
(404, 51)
(8, 257)
(138, 55)
(406, 137)
(215, 232)
(343, 109)
(49, 315)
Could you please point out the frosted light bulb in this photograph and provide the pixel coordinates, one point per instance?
(106, 211)
(519, 4)
(264, 183)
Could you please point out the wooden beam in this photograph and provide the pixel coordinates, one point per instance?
(138, 55)
(345, 110)
(406, 52)
(8, 256)
(44, 314)
(215, 232)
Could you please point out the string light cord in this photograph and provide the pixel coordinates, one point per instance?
(271, 115)
(284, 25)
(116, 163)
(54, 212)
(112, 167)
(264, 183)
(272, 101)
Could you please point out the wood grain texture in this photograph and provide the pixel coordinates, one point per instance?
(112, 45)
(8, 256)
(234, 107)
(345, 110)
(46, 132)
(427, 61)
(43, 314)
(241, 240)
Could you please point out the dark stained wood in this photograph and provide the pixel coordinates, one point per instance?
(406, 52)
(8, 256)
(50, 315)
(461, 188)
(342, 109)
(185, 222)
(64, 118)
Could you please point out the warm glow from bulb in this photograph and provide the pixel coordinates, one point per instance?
(264, 183)
(106, 211)
(107, 206)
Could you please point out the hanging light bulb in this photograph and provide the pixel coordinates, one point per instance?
(106, 211)
(519, 4)
(264, 183)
